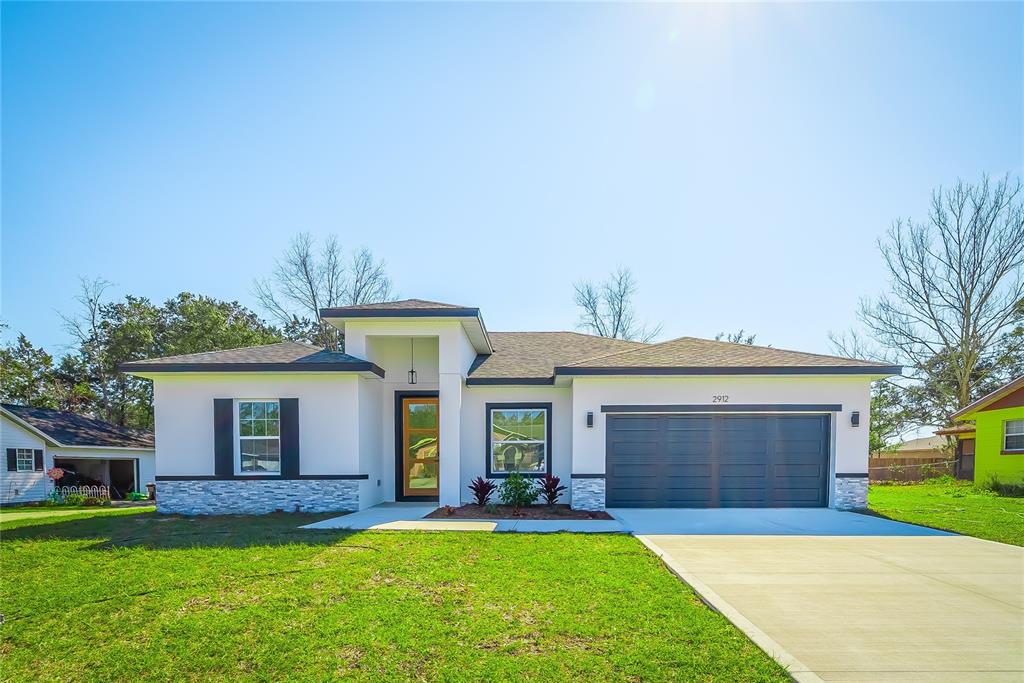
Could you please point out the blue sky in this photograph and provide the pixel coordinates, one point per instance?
(741, 159)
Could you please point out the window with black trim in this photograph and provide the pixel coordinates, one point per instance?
(518, 438)
(1013, 435)
(259, 440)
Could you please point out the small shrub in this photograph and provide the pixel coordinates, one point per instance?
(517, 491)
(1003, 488)
(74, 499)
(136, 496)
(449, 510)
(550, 488)
(491, 509)
(91, 501)
(482, 490)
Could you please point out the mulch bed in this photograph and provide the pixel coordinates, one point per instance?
(505, 512)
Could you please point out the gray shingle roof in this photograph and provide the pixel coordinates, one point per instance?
(283, 356)
(70, 429)
(401, 305)
(534, 355)
(690, 352)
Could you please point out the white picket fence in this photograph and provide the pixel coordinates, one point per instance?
(87, 491)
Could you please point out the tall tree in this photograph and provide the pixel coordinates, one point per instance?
(26, 375)
(307, 279)
(955, 292)
(740, 337)
(111, 333)
(607, 309)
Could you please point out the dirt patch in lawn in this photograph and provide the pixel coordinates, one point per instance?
(505, 512)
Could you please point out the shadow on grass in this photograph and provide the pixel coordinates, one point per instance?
(155, 531)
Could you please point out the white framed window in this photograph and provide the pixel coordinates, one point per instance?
(26, 460)
(1013, 435)
(519, 439)
(259, 436)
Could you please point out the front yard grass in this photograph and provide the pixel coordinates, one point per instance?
(138, 596)
(952, 505)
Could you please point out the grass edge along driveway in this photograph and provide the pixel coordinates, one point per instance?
(142, 596)
(951, 505)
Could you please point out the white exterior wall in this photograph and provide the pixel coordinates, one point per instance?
(849, 444)
(474, 428)
(328, 418)
(21, 487)
(443, 357)
(371, 463)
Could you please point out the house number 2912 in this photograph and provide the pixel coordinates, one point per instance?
(720, 398)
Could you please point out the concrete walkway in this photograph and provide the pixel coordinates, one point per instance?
(410, 516)
(763, 521)
(865, 608)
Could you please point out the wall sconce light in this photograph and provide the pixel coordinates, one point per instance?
(855, 418)
(590, 418)
(412, 362)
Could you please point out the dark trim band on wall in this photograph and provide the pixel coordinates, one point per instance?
(852, 475)
(587, 476)
(252, 367)
(727, 408)
(758, 370)
(256, 477)
(496, 381)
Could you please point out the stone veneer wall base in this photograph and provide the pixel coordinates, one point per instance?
(851, 493)
(256, 497)
(588, 494)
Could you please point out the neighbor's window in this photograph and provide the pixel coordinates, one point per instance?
(519, 440)
(1013, 435)
(259, 441)
(26, 460)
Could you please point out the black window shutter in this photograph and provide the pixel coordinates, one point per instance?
(289, 438)
(39, 459)
(12, 459)
(223, 437)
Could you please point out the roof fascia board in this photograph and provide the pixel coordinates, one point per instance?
(880, 371)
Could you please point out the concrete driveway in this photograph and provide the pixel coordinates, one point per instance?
(881, 608)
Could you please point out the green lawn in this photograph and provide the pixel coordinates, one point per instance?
(136, 596)
(954, 506)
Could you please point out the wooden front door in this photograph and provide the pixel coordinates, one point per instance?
(420, 446)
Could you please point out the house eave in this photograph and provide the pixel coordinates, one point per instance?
(146, 369)
(877, 371)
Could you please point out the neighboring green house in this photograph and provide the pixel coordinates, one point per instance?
(998, 437)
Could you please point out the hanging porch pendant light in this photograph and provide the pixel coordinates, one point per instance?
(412, 362)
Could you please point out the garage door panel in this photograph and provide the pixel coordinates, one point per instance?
(717, 460)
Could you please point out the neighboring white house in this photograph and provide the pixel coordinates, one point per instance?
(425, 399)
(36, 439)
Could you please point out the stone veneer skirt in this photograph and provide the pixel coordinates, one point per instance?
(256, 497)
(851, 493)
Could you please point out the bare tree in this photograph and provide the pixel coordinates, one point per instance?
(85, 328)
(606, 308)
(740, 337)
(955, 288)
(306, 280)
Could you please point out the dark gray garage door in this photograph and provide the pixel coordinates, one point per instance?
(717, 460)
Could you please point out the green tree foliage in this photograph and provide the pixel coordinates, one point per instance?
(28, 376)
(111, 333)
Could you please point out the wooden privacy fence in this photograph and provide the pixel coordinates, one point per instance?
(908, 469)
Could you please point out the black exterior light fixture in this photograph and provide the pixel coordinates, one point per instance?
(412, 361)
(855, 418)
(590, 418)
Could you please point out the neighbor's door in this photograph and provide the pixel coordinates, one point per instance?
(420, 446)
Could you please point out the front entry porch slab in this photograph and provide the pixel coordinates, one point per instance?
(411, 516)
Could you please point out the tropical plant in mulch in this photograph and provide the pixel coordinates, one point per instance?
(517, 491)
(482, 490)
(550, 489)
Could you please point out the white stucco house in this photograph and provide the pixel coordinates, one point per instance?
(425, 399)
(37, 439)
